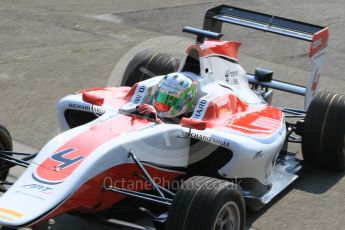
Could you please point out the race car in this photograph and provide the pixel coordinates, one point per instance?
(200, 169)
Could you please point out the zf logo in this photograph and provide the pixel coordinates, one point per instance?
(64, 160)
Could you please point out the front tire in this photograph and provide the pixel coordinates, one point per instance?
(5, 145)
(204, 203)
(323, 140)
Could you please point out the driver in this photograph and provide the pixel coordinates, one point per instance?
(174, 97)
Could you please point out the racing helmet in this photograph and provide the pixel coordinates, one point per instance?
(175, 95)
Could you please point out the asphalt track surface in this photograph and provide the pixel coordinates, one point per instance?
(49, 49)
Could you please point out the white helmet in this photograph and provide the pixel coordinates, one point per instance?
(175, 95)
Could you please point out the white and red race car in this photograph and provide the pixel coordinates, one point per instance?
(229, 154)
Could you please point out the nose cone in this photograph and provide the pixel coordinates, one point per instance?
(24, 203)
(9, 216)
(28, 201)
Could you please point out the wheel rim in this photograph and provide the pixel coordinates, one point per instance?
(228, 217)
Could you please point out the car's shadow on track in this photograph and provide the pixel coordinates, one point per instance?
(317, 181)
(311, 181)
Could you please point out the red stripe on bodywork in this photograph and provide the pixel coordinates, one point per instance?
(210, 47)
(320, 40)
(260, 124)
(115, 97)
(85, 143)
(229, 112)
(92, 198)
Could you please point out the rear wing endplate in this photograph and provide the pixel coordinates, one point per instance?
(316, 35)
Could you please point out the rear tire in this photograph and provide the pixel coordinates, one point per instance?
(147, 64)
(5, 145)
(204, 203)
(323, 142)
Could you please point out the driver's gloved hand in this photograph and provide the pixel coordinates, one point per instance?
(148, 111)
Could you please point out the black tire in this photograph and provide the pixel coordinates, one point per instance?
(146, 64)
(323, 141)
(200, 200)
(45, 225)
(5, 144)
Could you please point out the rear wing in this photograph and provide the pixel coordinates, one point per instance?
(316, 35)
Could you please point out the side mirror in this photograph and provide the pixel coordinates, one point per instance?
(193, 123)
(93, 99)
(263, 75)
